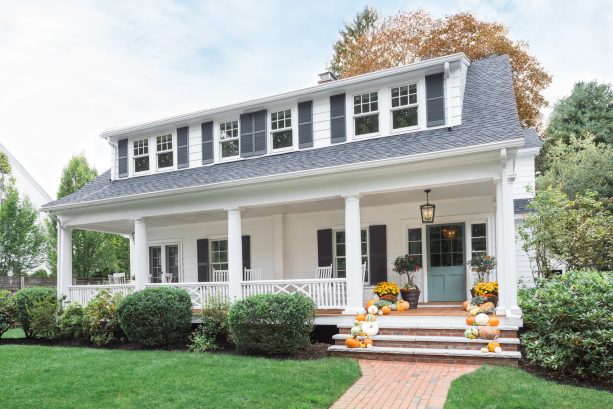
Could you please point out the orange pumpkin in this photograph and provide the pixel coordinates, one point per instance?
(370, 302)
(470, 320)
(366, 342)
(491, 346)
(493, 321)
(352, 343)
(360, 317)
(466, 305)
(386, 310)
(489, 332)
(405, 305)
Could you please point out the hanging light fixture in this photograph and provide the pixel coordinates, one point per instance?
(427, 210)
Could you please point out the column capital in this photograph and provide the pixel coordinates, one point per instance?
(233, 209)
(138, 219)
(352, 197)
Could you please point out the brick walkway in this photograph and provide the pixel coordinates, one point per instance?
(391, 385)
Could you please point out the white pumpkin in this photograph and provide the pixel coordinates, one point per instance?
(368, 346)
(356, 329)
(484, 350)
(370, 328)
(482, 319)
(373, 310)
(498, 350)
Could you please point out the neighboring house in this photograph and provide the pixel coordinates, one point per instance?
(331, 175)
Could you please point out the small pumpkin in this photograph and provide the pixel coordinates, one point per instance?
(399, 306)
(370, 328)
(498, 350)
(356, 329)
(370, 302)
(470, 320)
(481, 319)
(373, 309)
(371, 318)
(484, 350)
(489, 332)
(471, 333)
(487, 307)
(352, 342)
(366, 342)
(466, 305)
(491, 346)
(494, 321)
(360, 317)
(386, 310)
(405, 305)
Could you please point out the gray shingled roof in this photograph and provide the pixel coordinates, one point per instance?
(489, 115)
(531, 139)
(520, 206)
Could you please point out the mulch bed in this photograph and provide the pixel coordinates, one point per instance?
(565, 379)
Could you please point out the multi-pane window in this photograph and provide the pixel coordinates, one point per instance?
(478, 239)
(415, 245)
(340, 259)
(404, 106)
(219, 254)
(281, 126)
(446, 245)
(141, 155)
(228, 139)
(164, 151)
(366, 113)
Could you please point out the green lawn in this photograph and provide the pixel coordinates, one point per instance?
(493, 387)
(14, 333)
(54, 377)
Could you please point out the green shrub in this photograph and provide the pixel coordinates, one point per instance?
(25, 298)
(73, 323)
(156, 316)
(43, 318)
(101, 316)
(213, 331)
(7, 311)
(272, 324)
(200, 341)
(568, 322)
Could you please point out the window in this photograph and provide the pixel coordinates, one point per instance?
(446, 245)
(404, 106)
(340, 263)
(228, 139)
(141, 155)
(281, 125)
(164, 259)
(219, 255)
(415, 245)
(366, 113)
(164, 151)
(478, 238)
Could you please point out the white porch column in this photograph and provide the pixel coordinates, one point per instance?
(141, 255)
(353, 253)
(64, 257)
(508, 177)
(501, 274)
(130, 238)
(279, 271)
(235, 254)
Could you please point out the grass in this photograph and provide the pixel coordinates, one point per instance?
(14, 333)
(55, 377)
(492, 387)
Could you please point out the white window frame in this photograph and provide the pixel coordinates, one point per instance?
(210, 249)
(336, 257)
(221, 141)
(163, 244)
(135, 156)
(409, 105)
(173, 149)
(363, 114)
(292, 118)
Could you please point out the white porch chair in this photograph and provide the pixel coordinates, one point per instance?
(117, 278)
(167, 277)
(220, 275)
(324, 272)
(253, 274)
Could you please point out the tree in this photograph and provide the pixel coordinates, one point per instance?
(94, 253)
(412, 36)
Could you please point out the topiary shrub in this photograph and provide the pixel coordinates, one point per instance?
(25, 299)
(73, 322)
(568, 324)
(7, 311)
(101, 317)
(272, 324)
(213, 332)
(156, 316)
(43, 318)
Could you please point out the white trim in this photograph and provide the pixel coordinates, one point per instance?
(163, 243)
(293, 128)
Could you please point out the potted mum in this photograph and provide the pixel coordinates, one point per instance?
(407, 266)
(482, 265)
(388, 291)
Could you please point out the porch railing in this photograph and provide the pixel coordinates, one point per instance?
(85, 293)
(325, 293)
(200, 293)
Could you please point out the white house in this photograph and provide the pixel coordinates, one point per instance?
(331, 175)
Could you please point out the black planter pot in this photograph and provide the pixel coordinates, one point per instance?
(472, 292)
(411, 296)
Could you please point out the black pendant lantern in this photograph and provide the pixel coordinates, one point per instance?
(427, 210)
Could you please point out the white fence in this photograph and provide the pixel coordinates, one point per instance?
(326, 293)
(200, 293)
(85, 293)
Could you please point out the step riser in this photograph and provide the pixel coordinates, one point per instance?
(430, 332)
(428, 358)
(429, 344)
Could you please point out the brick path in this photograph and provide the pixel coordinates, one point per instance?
(391, 385)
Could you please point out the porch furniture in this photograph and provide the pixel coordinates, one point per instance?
(220, 276)
(324, 272)
(167, 277)
(253, 274)
(117, 278)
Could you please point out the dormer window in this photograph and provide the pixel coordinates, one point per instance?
(165, 155)
(404, 106)
(366, 113)
(228, 139)
(281, 127)
(141, 155)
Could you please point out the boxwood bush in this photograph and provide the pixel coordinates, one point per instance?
(568, 324)
(272, 324)
(7, 311)
(156, 316)
(73, 322)
(24, 301)
(43, 317)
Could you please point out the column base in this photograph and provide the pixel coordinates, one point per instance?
(353, 311)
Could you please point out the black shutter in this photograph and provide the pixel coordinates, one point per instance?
(122, 158)
(435, 99)
(202, 252)
(305, 124)
(324, 247)
(183, 147)
(246, 243)
(246, 139)
(377, 253)
(207, 142)
(259, 133)
(337, 118)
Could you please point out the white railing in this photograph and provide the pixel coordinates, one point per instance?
(85, 293)
(200, 293)
(325, 292)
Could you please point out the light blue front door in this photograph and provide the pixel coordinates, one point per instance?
(446, 266)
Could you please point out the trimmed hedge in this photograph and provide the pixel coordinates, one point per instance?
(272, 324)
(156, 316)
(568, 323)
(25, 300)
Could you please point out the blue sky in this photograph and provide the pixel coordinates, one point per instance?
(69, 70)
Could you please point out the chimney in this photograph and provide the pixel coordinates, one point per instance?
(326, 77)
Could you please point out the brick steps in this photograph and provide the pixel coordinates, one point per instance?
(506, 331)
(433, 342)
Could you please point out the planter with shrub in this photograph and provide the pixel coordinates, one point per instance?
(407, 266)
(24, 301)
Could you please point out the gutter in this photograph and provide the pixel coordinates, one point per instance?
(509, 143)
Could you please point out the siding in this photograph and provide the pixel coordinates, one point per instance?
(524, 175)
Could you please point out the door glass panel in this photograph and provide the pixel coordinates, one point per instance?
(155, 264)
(172, 262)
(447, 246)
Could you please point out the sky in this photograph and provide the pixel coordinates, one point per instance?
(69, 70)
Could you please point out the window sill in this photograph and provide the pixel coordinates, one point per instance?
(403, 130)
(366, 135)
(282, 150)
